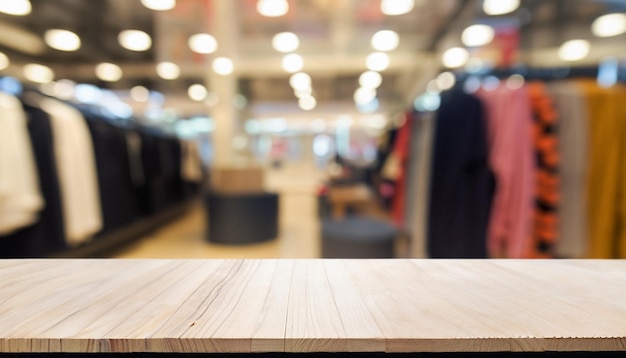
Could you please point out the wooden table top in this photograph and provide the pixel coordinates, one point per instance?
(311, 305)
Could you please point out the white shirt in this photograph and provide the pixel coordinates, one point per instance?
(20, 196)
(78, 180)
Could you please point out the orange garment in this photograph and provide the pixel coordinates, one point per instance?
(606, 181)
(545, 220)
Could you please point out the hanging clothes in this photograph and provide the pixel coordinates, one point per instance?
(47, 234)
(191, 167)
(76, 167)
(547, 188)
(118, 197)
(511, 158)
(418, 179)
(461, 184)
(606, 181)
(401, 152)
(20, 195)
(572, 136)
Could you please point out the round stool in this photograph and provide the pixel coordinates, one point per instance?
(357, 237)
(242, 218)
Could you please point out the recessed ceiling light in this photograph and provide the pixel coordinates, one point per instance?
(15, 7)
(300, 81)
(62, 40)
(377, 61)
(574, 50)
(455, 57)
(364, 95)
(385, 40)
(396, 7)
(4, 61)
(285, 42)
(445, 80)
(168, 70)
(223, 66)
(140, 94)
(500, 7)
(108, 72)
(308, 91)
(159, 5)
(477, 35)
(292, 63)
(38, 73)
(135, 40)
(197, 92)
(370, 79)
(515, 81)
(202, 43)
(307, 103)
(272, 8)
(609, 25)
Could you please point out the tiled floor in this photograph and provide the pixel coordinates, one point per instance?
(298, 236)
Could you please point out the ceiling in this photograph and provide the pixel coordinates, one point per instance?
(334, 36)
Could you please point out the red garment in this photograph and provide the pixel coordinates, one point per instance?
(511, 157)
(401, 150)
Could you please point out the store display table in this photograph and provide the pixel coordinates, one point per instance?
(241, 306)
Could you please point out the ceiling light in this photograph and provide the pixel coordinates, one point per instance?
(197, 92)
(432, 87)
(445, 80)
(515, 81)
(385, 40)
(202, 43)
(4, 61)
(38, 73)
(303, 92)
(490, 83)
(377, 61)
(64, 89)
(139, 94)
(108, 72)
(15, 7)
(500, 7)
(476, 65)
(307, 103)
(300, 81)
(477, 35)
(609, 25)
(369, 107)
(285, 42)
(396, 7)
(574, 50)
(292, 63)
(364, 95)
(134, 40)
(159, 5)
(62, 40)
(223, 66)
(455, 57)
(272, 8)
(370, 79)
(168, 70)
(87, 93)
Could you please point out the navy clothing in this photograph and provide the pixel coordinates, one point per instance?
(461, 181)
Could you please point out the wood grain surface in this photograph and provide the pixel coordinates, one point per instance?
(311, 305)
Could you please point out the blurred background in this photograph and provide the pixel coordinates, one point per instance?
(313, 128)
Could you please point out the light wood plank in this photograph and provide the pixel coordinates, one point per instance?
(311, 305)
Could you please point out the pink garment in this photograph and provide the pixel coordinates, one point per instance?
(509, 123)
